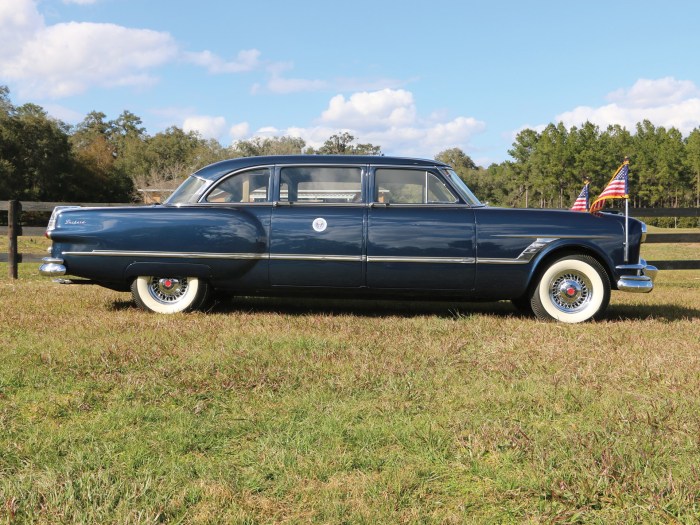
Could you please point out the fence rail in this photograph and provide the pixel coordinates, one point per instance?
(15, 230)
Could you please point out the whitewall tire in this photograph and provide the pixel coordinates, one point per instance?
(572, 289)
(169, 295)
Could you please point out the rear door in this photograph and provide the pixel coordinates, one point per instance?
(317, 227)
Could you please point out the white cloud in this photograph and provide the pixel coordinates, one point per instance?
(68, 58)
(208, 127)
(239, 131)
(388, 118)
(665, 102)
(652, 93)
(19, 21)
(246, 60)
(377, 109)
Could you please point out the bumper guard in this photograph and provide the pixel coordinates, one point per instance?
(52, 267)
(642, 282)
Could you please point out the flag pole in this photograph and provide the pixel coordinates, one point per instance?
(627, 230)
(627, 220)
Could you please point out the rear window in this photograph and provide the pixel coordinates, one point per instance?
(187, 191)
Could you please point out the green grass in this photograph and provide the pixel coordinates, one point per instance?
(282, 411)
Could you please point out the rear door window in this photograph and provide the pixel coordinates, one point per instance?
(320, 184)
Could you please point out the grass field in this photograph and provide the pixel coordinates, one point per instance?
(264, 411)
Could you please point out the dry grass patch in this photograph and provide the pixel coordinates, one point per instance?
(271, 411)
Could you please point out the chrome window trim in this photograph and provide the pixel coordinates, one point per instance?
(276, 192)
(434, 170)
(456, 205)
(206, 183)
(212, 186)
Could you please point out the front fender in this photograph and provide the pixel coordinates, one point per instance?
(562, 248)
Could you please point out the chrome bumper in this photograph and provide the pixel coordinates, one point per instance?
(642, 282)
(52, 267)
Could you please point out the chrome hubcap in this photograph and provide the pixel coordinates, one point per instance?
(570, 292)
(167, 290)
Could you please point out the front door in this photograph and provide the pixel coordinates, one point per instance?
(420, 235)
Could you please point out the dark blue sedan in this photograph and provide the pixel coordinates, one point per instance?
(348, 226)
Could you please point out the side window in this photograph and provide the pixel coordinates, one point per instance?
(320, 184)
(247, 186)
(404, 186)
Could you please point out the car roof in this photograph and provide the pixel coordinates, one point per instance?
(219, 169)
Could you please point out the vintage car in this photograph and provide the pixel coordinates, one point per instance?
(352, 226)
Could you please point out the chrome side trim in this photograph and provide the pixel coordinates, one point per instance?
(333, 258)
(524, 236)
(422, 260)
(172, 255)
(525, 256)
(275, 257)
(484, 260)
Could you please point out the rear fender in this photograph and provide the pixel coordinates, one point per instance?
(167, 270)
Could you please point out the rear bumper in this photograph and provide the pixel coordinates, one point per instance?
(640, 282)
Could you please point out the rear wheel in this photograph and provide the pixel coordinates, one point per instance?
(572, 289)
(169, 295)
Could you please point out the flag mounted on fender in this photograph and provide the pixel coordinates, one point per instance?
(617, 188)
(581, 202)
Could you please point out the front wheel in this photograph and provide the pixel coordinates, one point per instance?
(169, 295)
(572, 289)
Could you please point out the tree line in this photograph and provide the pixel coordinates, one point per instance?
(549, 168)
(101, 160)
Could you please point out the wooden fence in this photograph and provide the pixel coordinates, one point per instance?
(15, 230)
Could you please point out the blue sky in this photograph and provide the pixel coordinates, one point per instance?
(413, 77)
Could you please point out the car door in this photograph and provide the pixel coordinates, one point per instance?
(317, 227)
(420, 234)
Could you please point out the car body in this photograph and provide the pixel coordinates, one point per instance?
(353, 226)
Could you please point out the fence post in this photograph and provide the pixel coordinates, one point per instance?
(13, 231)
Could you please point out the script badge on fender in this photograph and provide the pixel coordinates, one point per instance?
(319, 224)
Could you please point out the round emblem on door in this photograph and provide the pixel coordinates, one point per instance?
(319, 224)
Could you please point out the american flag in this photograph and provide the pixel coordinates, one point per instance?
(581, 203)
(616, 188)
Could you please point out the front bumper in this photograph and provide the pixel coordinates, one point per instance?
(641, 282)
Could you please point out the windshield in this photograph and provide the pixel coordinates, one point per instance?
(187, 191)
(463, 189)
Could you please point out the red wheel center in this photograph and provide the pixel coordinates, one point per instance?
(168, 283)
(570, 291)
